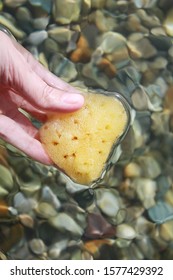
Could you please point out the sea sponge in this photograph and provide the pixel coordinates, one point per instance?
(80, 143)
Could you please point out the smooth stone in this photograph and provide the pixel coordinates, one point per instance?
(1, 6)
(125, 231)
(103, 22)
(14, 3)
(84, 198)
(146, 191)
(65, 223)
(166, 231)
(168, 23)
(132, 170)
(23, 204)
(161, 122)
(161, 212)
(139, 99)
(170, 52)
(146, 49)
(111, 41)
(148, 20)
(6, 179)
(3, 192)
(150, 167)
(26, 220)
(65, 12)
(55, 251)
(60, 34)
(37, 246)
(144, 3)
(160, 42)
(158, 31)
(163, 189)
(43, 4)
(169, 197)
(86, 6)
(63, 68)
(45, 210)
(36, 38)
(47, 195)
(98, 3)
(159, 63)
(30, 188)
(15, 30)
(98, 227)
(122, 243)
(107, 202)
(23, 14)
(40, 23)
(50, 46)
(93, 78)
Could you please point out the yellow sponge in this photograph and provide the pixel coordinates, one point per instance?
(79, 143)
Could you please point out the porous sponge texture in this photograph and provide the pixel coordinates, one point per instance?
(79, 143)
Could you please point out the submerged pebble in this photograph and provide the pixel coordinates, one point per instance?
(118, 46)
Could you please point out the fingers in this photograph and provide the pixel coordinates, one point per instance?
(13, 133)
(9, 97)
(37, 85)
(43, 73)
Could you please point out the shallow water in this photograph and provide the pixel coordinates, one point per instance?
(122, 46)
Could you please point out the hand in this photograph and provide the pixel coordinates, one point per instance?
(26, 84)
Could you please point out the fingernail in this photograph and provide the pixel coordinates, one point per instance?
(72, 98)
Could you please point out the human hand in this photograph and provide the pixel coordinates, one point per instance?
(26, 84)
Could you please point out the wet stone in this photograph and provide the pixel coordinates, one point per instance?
(6, 179)
(64, 222)
(161, 212)
(107, 202)
(125, 231)
(23, 204)
(85, 198)
(123, 46)
(67, 11)
(168, 23)
(63, 68)
(36, 38)
(166, 231)
(37, 246)
(45, 210)
(98, 227)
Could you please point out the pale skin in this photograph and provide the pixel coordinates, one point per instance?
(26, 84)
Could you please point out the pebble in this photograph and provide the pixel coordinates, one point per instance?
(168, 23)
(10, 24)
(23, 204)
(37, 246)
(146, 191)
(63, 67)
(36, 38)
(166, 231)
(60, 34)
(65, 223)
(107, 202)
(67, 11)
(98, 227)
(14, 3)
(6, 179)
(119, 46)
(125, 231)
(161, 212)
(45, 210)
